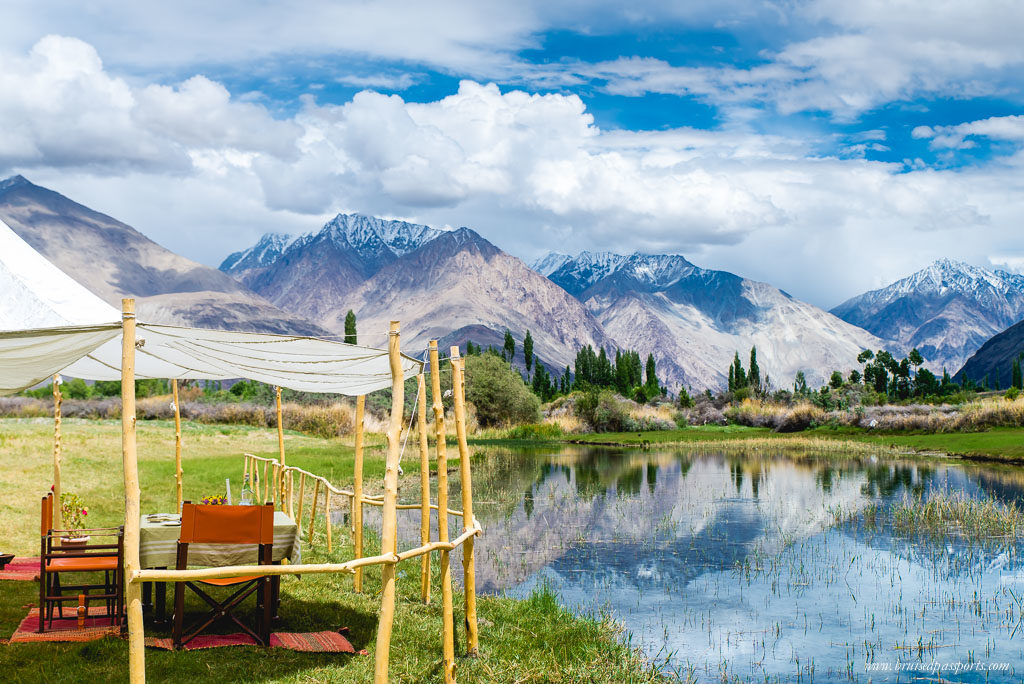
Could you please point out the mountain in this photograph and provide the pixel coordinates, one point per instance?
(460, 286)
(452, 285)
(114, 260)
(549, 263)
(310, 274)
(693, 320)
(947, 310)
(994, 360)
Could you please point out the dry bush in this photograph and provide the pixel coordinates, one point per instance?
(704, 413)
(799, 417)
(567, 423)
(25, 407)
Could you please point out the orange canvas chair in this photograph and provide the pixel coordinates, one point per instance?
(55, 560)
(205, 524)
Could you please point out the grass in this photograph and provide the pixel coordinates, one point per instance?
(958, 515)
(997, 444)
(531, 640)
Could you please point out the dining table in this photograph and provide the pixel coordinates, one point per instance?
(158, 548)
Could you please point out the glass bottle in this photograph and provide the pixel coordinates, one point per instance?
(246, 499)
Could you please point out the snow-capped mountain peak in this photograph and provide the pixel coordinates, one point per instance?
(549, 263)
(266, 251)
(368, 232)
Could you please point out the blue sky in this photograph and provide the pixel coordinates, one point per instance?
(826, 147)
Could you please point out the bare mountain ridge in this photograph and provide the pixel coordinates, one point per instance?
(947, 310)
(693, 320)
(114, 260)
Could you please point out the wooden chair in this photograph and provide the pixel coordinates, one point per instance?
(248, 525)
(55, 560)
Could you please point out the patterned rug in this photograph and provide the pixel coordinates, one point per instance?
(97, 626)
(310, 642)
(26, 569)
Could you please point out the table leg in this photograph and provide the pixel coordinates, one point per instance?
(161, 601)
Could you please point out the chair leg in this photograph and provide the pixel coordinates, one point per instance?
(179, 610)
(268, 609)
(44, 580)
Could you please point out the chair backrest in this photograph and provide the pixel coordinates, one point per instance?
(206, 524)
(46, 522)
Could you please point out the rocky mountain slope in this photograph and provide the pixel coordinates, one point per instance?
(994, 359)
(114, 260)
(694, 320)
(453, 285)
(947, 310)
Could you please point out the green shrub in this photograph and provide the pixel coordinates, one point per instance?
(603, 411)
(1012, 393)
(498, 392)
(535, 431)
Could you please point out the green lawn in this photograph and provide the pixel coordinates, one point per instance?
(531, 640)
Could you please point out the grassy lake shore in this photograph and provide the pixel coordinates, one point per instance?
(530, 640)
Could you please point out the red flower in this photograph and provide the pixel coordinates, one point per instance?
(85, 512)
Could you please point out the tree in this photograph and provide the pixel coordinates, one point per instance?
(651, 387)
(1016, 379)
(498, 392)
(855, 376)
(732, 377)
(528, 351)
(685, 400)
(915, 359)
(542, 382)
(754, 374)
(800, 384)
(350, 327)
(836, 381)
(509, 347)
(566, 381)
(739, 376)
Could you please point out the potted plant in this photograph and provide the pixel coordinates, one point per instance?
(72, 512)
(214, 500)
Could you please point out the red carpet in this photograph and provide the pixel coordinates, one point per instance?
(310, 642)
(97, 626)
(26, 569)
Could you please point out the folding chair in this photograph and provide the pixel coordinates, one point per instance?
(55, 560)
(248, 525)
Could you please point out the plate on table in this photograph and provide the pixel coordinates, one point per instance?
(171, 523)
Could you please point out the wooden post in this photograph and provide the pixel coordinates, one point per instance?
(291, 494)
(312, 511)
(302, 498)
(421, 419)
(468, 565)
(357, 494)
(447, 610)
(178, 475)
(133, 590)
(327, 514)
(389, 515)
(280, 432)
(58, 399)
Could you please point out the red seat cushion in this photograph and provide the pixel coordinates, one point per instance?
(228, 581)
(90, 564)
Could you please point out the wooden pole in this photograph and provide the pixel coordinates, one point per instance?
(327, 513)
(280, 432)
(421, 419)
(447, 610)
(302, 498)
(178, 474)
(468, 565)
(389, 516)
(58, 399)
(357, 493)
(312, 510)
(133, 590)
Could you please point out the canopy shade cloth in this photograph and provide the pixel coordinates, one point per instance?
(82, 338)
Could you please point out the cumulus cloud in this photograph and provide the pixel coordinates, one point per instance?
(1003, 128)
(203, 172)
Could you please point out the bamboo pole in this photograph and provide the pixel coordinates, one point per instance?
(268, 487)
(421, 418)
(133, 589)
(357, 493)
(327, 513)
(468, 564)
(280, 433)
(447, 611)
(389, 532)
(178, 474)
(312, 511)
(302, 497)
(58, 399)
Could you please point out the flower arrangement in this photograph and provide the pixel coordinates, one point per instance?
(72, 512)
(214, 500)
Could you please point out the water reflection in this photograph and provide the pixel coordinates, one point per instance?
(734, 564)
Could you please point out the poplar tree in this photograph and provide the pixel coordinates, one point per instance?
(528, 351)
(509, 348)
(350, 327)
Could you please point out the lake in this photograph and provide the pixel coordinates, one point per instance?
(756, 566)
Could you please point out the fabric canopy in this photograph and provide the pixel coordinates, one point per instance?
(82, 338)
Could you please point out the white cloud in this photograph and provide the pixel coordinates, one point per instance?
(204, 173)
(1004, 128)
